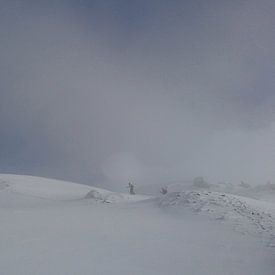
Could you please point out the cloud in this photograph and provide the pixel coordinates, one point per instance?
(101, 92)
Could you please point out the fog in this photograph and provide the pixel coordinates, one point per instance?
(103, 92)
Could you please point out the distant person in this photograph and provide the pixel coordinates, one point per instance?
(131, 188)
(164, 190)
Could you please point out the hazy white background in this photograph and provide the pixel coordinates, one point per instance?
(103, 92)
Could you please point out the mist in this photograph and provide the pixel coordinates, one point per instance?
(103, 92)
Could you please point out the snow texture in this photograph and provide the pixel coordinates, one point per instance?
(61, 228)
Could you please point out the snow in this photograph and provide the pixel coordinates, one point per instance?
(59, 190)
(55, 227)
(246, 215)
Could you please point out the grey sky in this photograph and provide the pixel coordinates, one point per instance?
(106, 91)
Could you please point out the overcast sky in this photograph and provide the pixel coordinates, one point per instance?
(102, 92)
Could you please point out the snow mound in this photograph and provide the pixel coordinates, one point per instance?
(112, 197)
(245, 214)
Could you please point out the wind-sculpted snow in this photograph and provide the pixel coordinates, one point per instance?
(247, 215)
(112, 197)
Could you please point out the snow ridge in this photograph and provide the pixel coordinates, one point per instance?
(246, 215)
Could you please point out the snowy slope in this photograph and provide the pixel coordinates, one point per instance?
(244, 214)
(59, 190)
(48, 227)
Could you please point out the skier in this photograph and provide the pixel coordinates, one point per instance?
(131, 188)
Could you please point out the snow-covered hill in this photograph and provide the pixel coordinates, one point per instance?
(59, 190)
(56, 227)
(243, 214)
(264, 192)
